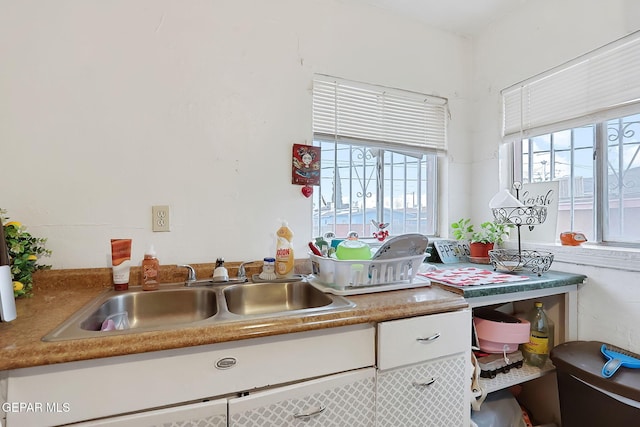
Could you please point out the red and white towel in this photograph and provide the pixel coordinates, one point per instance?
(470, 276)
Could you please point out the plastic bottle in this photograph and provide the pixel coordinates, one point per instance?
(220, 273)
(536, 351)
(150, 269)
(284, 252)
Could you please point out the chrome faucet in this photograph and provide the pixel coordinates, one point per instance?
(191, 278)
(242, 273)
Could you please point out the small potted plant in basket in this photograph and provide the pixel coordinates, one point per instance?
(482, 240)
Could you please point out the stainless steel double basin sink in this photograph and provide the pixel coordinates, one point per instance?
(175, 305)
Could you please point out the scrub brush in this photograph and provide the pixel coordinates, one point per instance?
(268, 270)
(617, 357)
(267, 276)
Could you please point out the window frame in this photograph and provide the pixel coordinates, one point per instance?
(600, 178)
(427, 160)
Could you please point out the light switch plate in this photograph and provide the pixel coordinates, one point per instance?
(160, 218)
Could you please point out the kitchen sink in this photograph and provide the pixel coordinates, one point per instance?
(262, 298)
(153, 309)
(175, 305)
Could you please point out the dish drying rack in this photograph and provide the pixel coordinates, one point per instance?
(537, 262)
(341, 277)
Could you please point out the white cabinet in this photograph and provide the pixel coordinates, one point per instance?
(336, 400)
(346, 399)
(107, 387)
(427, 394)
(206, 414)
(324, 377)
(424, 376)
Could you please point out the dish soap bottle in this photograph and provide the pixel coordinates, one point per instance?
(284, 252)
(536, 351)
(150, 268)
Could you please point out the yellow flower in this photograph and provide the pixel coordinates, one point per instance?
(32, 257)
(17, 286)
(16, 224)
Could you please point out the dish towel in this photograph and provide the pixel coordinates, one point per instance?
(470, 276)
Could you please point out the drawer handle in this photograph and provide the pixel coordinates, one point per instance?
(305, 416)
(226, 363)
(425, 384)
(429, 339)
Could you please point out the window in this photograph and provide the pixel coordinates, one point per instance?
(361, 184)
(568, 157)
(579, 124)
(379, 149)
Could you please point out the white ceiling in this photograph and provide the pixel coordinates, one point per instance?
(466, 17)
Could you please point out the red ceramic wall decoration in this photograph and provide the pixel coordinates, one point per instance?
(306, 167)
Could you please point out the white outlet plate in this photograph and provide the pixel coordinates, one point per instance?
(160, 219)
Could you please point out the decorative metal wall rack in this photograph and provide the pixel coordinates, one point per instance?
(514, 260)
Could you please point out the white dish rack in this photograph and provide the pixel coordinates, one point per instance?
(342, 277)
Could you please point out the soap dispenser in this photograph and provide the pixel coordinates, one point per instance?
(150, 269)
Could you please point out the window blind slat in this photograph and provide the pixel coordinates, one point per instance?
(604, 80)
(359, 111)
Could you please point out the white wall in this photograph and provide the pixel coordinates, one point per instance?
(608, 305)
(108, 108)
(546, 33)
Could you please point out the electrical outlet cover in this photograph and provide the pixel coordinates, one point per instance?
(160, 218)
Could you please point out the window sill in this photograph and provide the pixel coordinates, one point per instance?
(618, 258)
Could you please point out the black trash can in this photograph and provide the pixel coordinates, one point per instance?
(587, 399)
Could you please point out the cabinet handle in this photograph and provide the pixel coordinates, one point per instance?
(305, 416)
(425, 384)
(429, 339)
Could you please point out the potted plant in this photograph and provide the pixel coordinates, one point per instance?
(25, 251)
(490, 233)
(482, 240)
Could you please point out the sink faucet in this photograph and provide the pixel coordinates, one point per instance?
(242, 273)
(191, 278)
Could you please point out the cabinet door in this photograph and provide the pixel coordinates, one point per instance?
(428, 394)
(339, 400)
(206, 414)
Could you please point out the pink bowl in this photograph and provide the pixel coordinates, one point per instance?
(496, 337)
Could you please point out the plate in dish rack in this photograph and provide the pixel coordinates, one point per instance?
(418, 282)
(405, 245)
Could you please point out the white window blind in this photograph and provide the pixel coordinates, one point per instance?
(358, 111)
(600, 85)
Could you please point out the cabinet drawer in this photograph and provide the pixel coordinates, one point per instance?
(407, 341)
